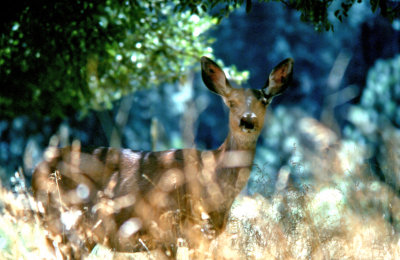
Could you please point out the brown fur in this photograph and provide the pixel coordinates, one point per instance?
(134, 200)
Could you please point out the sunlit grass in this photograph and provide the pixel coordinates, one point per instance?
(21, 235)
(346, 213)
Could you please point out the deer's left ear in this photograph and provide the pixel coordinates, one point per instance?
(279, 79)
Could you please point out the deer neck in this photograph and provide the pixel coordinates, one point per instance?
(236, 157)
(239, 142)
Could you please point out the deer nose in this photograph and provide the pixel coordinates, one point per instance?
(248, 121)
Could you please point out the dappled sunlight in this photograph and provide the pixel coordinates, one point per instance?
(343, 215)
(317, 196)
(93, 95)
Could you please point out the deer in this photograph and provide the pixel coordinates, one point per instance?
(133, 201)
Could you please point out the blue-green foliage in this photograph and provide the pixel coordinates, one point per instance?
(375, 121)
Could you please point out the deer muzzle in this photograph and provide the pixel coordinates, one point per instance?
(248, 122)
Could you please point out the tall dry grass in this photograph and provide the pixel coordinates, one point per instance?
(345, 212)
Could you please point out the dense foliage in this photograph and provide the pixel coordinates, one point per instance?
(374, 122)
(60, 56)
(315, 12)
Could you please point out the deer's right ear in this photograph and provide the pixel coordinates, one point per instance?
(279, 79)
(214, 77)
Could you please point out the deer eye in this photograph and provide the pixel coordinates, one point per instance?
(264, 101)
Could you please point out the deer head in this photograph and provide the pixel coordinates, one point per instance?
(246, 106)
